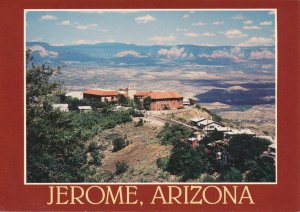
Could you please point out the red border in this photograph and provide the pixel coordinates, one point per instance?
(14, 195)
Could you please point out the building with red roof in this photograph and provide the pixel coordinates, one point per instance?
(102, 95)
(162, 100)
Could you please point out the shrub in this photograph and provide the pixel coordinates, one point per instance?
(262, 170)
(121, 167)
(171, 133)
(118, 143)
(246, 147)
(231, 175)
(92, 147)
(140, 123)
(162, 163)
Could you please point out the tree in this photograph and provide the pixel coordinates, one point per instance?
(147, 103)
(54, 151)
(140, 123)
(138, 103)
(122, 100)
(163, 163)
(170, 134)
(187, 161)
(262, 170)
(118, 143)
(121, 167)
(192, 101)
(246, 147)
(231, 175)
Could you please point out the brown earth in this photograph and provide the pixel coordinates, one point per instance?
(140, 155)
(186, 115)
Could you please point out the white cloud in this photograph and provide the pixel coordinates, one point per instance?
(199, 24)
(251, 27)
(111, 41)
(238, 17)
(272, 12)
(267, 66)
(218, 22)
(144, 19)
(83, 41)
(43, 52)
(91, 11)
(248, 22)
(258, 41)
(65, 23)
(57, 44)
(88, 26)
(191, 34)
(234, 33)
(259, 55)
(265, 23)
(47, 18)
(185, 16)
(173, 52)
(234, 54)
(160, 39)
(103, 30)
(36, 39)
(126, 53)
(181, 29)
(207, 34)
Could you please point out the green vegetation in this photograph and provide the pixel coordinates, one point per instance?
(170, 134)
(147, 103)
(243, 163)
(246, 147)
(261, 170)
(187, 161)
(139, 104)
(122, 100)
(192, 101)
(140, 123)
(56, 141)
(121, 167)
(118, 143)
(162, 163)
(231, 175)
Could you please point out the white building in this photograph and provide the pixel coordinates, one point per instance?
(84, 108)
(186, 102)
(61, 107)
(234, 132)
(205, 123)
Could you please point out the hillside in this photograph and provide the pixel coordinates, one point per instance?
(140, 155)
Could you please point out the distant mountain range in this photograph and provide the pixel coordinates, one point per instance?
(120, 54)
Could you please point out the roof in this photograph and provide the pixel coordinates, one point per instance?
(60, 105)
(84, 107)
(239, 132)
(197, 119)
(159, 94)
(142, 93)
(205, 122)
(101, 92)
(223, 129)
(192, 139)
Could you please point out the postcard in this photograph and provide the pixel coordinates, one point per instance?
(149, 108)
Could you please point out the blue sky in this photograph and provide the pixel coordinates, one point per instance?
(151, 27)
